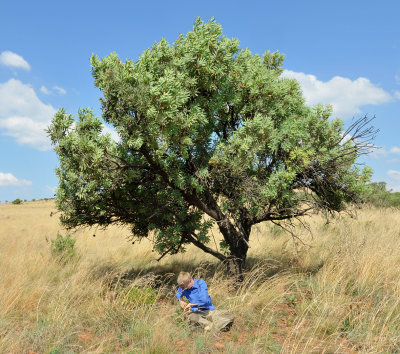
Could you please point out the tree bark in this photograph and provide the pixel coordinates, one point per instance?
(234, 268)
(237, 239)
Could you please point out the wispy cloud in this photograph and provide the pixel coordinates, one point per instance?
(397, 95)
(395, 150)
(345, 95)
(23, 115)
(45, 90)
(60, 90)
(8, 58)
(9, 180)
(378, 152)
(51, 189)
(55, 90)
(394, 180)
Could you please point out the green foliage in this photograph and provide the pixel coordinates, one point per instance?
(291, 300)
(276, 230)
(17, 201)
(205, 128)
(139, 296)
(379, 196)
(63, 247)
(55, 351)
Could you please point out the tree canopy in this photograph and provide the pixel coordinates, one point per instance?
(209, 133)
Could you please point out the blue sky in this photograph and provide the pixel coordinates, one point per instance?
(344, 53)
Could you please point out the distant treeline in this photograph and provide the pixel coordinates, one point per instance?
(20, 201)
(379, 196)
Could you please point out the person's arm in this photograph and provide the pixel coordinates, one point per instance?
(183, 304)
(179, 294)
(204, 297)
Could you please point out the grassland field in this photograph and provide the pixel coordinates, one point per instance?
(338, 293)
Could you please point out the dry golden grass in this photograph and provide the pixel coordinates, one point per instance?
(342, 295)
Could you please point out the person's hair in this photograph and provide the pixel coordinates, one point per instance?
(183, 278)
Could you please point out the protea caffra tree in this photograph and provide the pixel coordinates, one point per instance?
(209, 134)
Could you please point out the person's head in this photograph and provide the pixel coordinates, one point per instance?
(185, 280)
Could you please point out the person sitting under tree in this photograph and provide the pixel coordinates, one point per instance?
(200, 309)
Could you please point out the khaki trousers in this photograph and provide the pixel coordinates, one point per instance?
(217, 320)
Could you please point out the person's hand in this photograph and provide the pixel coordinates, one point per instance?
(189, 306)
(182, 304)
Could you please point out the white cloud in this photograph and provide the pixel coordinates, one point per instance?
(23, 116)
(397, 95)
(60, 90)
(112, 132)
(8, 58)
(394, 174)
(345, 138)
(8, 180)
(346, 96)
(394, 180)
(395, 150)
(45, 90)
(377, 152)
(51, 189)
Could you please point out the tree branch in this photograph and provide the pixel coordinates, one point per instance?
(203, 247)
(189, 197)
(276, 215)
(173, 248)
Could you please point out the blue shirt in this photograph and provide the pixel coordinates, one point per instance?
(197, 294)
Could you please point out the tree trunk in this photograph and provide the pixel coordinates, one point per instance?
(238, 245)
(234, 268)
